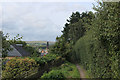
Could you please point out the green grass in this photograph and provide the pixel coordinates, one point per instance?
(69, 70)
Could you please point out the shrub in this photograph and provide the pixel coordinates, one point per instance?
(54, 74)
(17, 66)
(45, 59)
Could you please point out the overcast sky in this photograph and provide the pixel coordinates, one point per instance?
(38, 21)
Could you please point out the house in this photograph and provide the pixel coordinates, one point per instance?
(18, 51)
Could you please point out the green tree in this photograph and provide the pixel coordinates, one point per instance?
(5, 45)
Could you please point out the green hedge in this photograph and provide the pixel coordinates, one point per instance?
(98, 51)
(95, 58)
(18, 66)
(91, 55)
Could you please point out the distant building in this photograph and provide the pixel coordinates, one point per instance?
(44, 51)
(17, 51)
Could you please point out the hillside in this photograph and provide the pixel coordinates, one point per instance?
(39, 43)
(45, 42)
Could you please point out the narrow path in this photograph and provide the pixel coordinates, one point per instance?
(81, 71)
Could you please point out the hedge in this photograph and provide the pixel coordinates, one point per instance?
(17, 66)
(99, 49)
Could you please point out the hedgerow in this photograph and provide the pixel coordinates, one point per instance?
(17, 66)
(98, 51)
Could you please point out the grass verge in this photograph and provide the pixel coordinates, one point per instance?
(68, 69)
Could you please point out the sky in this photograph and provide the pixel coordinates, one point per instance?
(38, 21)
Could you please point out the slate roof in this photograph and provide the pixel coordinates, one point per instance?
(18, 51)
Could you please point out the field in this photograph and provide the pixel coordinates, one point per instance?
(41, 42)
(38, 43)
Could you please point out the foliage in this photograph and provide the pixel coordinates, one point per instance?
(33, 51)
(67, 69)
(98, 51)
(54, 74)
(60, 47)
(73, 30)
(4, 44)
(17, 66)
(16, 40)
(45, 59)
(92, 39)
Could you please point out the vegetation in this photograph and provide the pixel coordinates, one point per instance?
(45, 59)
(6, 42)
(33, 51)
(66, 70)
(17, 66)
(98, 50)
(5, 45)
(39, 44)
(54, 74)
(69, 70)
(73, 30)
(92, 39)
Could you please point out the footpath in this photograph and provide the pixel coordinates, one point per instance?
(82, 72)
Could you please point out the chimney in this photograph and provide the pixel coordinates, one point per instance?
(47, 45)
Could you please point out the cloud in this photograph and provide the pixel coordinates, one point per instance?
(46, 1)
(0, 17)
(38, 21)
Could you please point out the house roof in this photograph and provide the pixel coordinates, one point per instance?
(18, 51)
(14, 52)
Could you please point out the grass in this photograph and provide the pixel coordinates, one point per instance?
(69, 70)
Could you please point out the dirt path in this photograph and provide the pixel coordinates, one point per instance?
(81, 71)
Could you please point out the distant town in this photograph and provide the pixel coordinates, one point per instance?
(19, 51)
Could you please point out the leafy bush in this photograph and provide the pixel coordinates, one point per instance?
(54, 74)
(17, 66)
(45, 59)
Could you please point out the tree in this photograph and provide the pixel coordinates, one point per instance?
(73, 30)
(5, 44)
